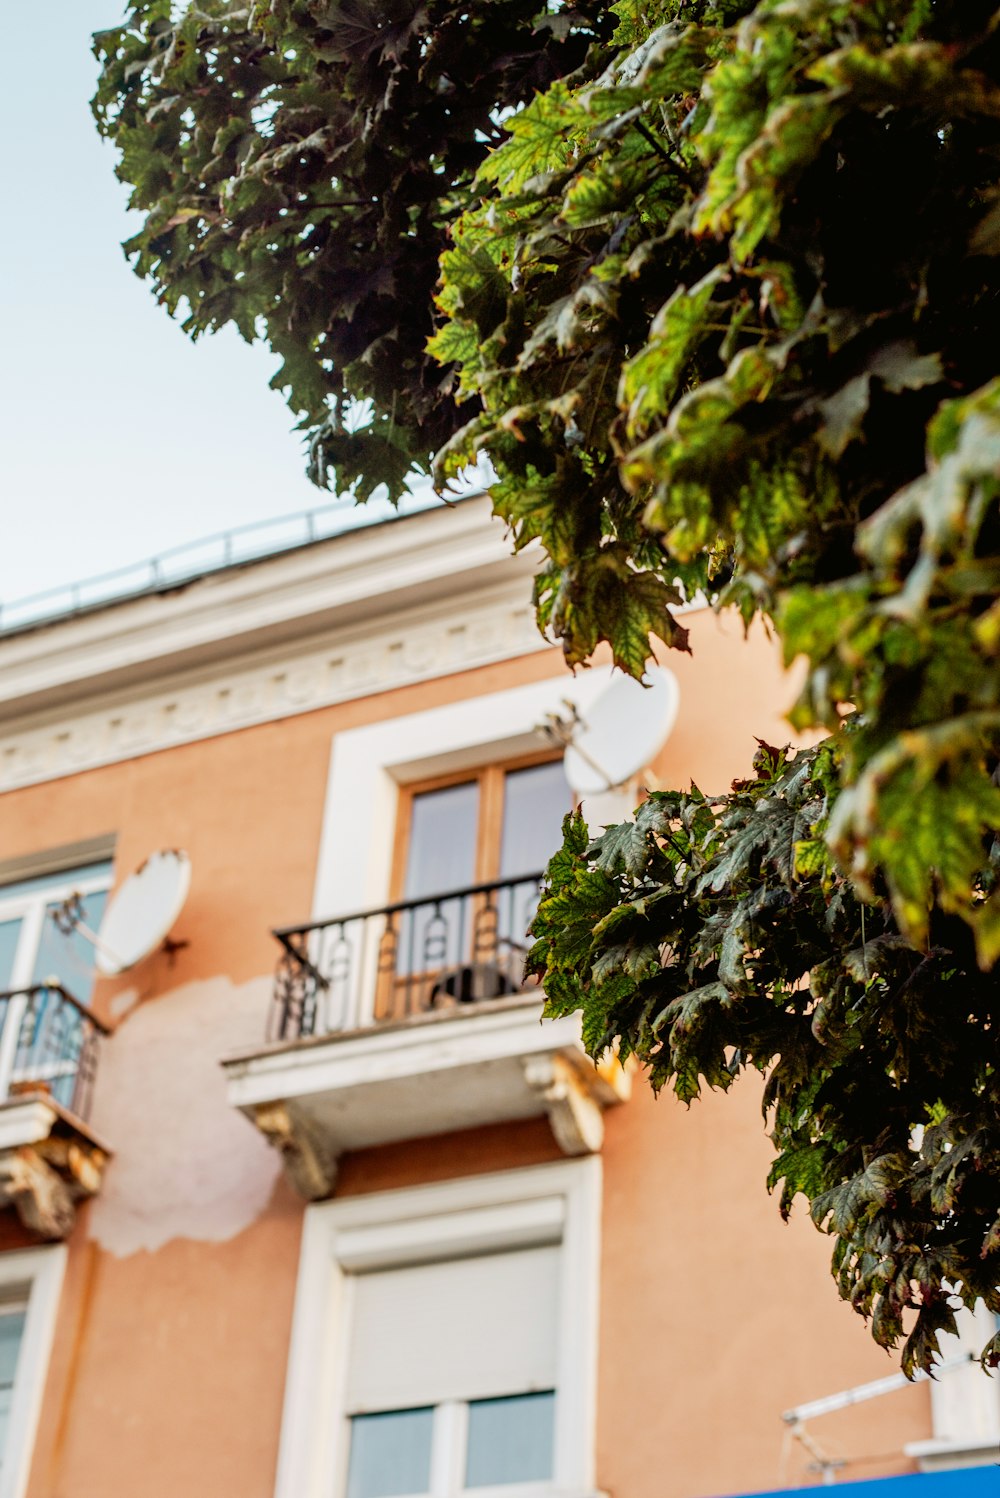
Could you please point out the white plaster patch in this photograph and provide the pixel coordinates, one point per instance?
(123, 1002)
(186, 1164)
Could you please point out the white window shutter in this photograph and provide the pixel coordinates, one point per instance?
(458, 1329)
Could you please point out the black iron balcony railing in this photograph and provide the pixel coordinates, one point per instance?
(414, 957)
(49, 1044)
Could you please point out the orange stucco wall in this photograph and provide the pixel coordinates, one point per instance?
(168, 1369)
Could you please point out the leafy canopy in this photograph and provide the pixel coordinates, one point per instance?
(718, 296)
(297, 164)
(749, 319)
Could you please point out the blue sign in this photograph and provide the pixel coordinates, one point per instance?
(969, 1482)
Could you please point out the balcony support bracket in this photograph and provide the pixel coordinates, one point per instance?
(571, 1101)
(310, 1163)
(43, 1181)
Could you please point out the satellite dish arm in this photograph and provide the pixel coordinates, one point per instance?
(68, 918)
(561, 730)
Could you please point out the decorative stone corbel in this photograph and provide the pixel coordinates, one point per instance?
(310, 1163)
(80, 1162)
(42, 1198)
(575, 1114)
(44, 1178)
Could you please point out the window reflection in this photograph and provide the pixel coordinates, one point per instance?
(510, 1440)
(390, 1454)
(33, 949)
(12, 1318)
(535, 802)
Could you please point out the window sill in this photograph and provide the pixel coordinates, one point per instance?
(533, 1490)
(940, 1455)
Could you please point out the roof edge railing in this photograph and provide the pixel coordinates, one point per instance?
(184, 564)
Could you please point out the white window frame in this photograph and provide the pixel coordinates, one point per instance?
(40, 1272)
(965, 1400)
(559, 1203)
(29, 909)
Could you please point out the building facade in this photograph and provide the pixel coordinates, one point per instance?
(332, 1214)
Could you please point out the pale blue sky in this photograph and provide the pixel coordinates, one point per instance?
(118, 437)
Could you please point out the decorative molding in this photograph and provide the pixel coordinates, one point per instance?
(344, 581)
(424, 1045)
(418, 645)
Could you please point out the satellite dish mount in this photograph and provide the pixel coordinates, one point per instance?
(624, 728)
(140, 917)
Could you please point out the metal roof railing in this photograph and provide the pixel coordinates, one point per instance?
(195, 559)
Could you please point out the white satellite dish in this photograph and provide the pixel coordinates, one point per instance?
(622, 730)
(143, 911)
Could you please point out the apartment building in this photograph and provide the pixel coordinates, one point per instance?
(307, 1202)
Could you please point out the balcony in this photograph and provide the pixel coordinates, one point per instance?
(49, 1158)
(412, 1020)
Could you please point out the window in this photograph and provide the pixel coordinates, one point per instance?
(369, 764)
(965, 1399)
(498, 824)
(453, 1409)
(13, 1314)
(486, 835)
(375, 773)
(30, 1284)
(485, 1443)
(444, 1341)
(34, 951)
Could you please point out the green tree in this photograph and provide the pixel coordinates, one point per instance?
(297, 165)
(722, 308)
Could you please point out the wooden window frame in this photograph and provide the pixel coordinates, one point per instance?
(489, 826)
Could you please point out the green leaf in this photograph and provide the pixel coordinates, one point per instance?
(649, 381)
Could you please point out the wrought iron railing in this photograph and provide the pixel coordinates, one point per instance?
(414, 957)
(49, 1044)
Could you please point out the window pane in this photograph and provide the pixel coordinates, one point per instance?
(442, 851)
(510, 1440)
(10, 931)
(70, 958)
(441, 856)
(64, 878)
(390, 1454)
(535, 802)
(11, 1332)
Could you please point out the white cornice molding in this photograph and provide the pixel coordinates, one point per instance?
(473, 628)
(331, 585)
